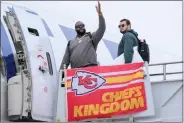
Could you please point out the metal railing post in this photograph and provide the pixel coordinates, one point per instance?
(164, 71)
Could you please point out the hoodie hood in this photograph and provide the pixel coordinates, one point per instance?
(132, 31)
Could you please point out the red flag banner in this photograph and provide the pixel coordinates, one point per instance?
(105, 91)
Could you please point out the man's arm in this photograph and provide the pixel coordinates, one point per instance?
(66, 58)
(128, 49)
(98, 34)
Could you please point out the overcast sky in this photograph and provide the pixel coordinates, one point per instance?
(159, 22)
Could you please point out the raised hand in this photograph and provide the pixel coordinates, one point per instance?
(98, 8)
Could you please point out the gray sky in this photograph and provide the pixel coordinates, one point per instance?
(159, 22)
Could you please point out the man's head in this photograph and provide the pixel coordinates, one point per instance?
(80, 28)
(124, 25)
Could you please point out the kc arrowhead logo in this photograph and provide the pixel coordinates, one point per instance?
(86, 82)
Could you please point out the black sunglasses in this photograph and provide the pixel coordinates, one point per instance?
(80, 26)
(122, 25)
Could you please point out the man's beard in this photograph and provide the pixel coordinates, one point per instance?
(123, 31)
(81, 32)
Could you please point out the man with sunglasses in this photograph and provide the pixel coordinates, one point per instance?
(128, 41)
(81, 51)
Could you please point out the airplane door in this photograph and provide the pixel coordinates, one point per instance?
(40, 62)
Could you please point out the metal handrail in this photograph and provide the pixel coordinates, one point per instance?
(164, 73)
(170, 73)
(166, 63)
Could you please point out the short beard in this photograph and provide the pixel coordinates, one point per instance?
(81, 33)
(122, 32)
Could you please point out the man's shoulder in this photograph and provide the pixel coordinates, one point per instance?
(128, 34)
(73, 40)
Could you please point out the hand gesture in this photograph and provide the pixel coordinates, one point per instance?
(98, 9)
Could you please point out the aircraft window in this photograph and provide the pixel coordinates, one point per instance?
(33, 31)
(49, 63)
